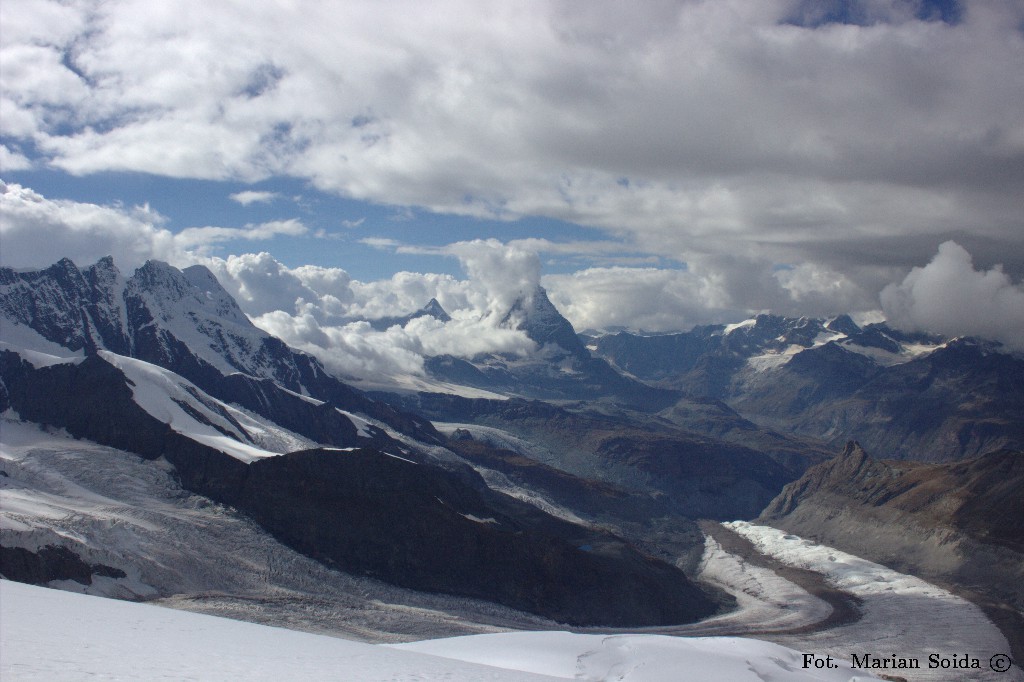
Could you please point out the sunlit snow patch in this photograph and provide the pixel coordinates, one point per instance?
(191, 412)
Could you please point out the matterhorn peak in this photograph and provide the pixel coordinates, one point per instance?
(535, 314)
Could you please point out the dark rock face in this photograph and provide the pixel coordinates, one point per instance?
(378, 515)
(982, 497)
(53, 562)
(319, 422)
(959, 401)
(706, 479)
(93, 400)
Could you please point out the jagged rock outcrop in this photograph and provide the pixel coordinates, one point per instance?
(52, 562)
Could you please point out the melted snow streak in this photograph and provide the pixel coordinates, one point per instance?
(901, 615)
(54, 635)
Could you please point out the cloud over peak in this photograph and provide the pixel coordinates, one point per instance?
(950, 297)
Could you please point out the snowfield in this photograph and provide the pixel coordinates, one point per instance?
(53, 635)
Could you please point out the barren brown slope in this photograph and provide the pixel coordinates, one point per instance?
(960, 524)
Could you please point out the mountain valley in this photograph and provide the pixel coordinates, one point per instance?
(569, 497)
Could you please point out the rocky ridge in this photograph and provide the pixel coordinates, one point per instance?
(959, 523)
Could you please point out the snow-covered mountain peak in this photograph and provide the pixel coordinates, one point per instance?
(843, 324)
(67, 306)
(215, 297)
(157, 276)
(431, 309)
(184, 321)
(193, 291)
(434, 309)
(536, 315)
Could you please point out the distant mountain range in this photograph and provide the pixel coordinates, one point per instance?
(590, 469)
(911, 396)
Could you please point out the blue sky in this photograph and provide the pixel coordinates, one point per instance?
(345, 226)
(678, 163)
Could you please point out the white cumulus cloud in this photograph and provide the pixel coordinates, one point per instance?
(253, 197)
(951, 297)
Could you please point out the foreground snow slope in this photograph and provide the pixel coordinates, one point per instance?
(635, 658)
(54, 635)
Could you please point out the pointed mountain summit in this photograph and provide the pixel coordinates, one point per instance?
(266, 430)
(561, 368)
(536, 315)
(431, 309)
(843, 324)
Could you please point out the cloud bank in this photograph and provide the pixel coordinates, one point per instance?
(950, 297)
(321, 310)
(758, 129)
